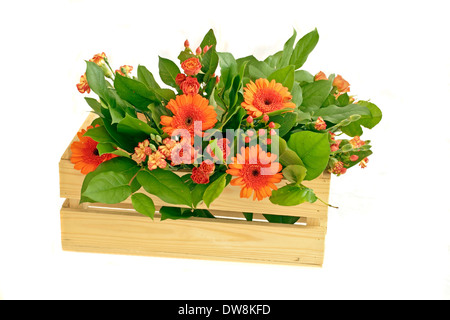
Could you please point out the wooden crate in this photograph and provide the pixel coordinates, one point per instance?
(119, 229)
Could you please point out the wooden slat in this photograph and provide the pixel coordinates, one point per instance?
(71, 181)
(104, 231)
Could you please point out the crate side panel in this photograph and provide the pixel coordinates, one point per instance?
(103, 232)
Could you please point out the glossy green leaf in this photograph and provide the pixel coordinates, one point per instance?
(215, 189)
(303, 48)
(313, 149)
(285, 76)
(168, 71)
(146, 77)
(96, 80)
(166, 185)
(209, 39)
(273, 218)
(287, 51)
(143, 204)
(125, 166)
(315, 93)
(134, 91)
(95, 105)
(335, 114)
(294, 173)
(292, 195)
(99, 134)
(108, 187)
(135, 127)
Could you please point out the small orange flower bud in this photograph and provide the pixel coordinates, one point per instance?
(363, 163)
(250, 119)
(83, 85)
(320, 76)
(320, 124)
(354, 157)
(265, 117)
(217, 79)
(99, 58)
(198, 51)
(186, 44)
(271, 125)
(356, 142)
(124, 70)
(341, 84)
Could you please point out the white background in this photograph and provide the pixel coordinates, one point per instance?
(389, 239)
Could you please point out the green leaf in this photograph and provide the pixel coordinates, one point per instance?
(353, 129)
(292, 195)
(170, 213)
(303, 48)
(286, 121)
(313, 149)
(248, 216)
(273, 218)
(134, 91)
(96, 80)
(285, 76)
(259, 69)
(179, 213)
(209, 39)
(289, 157)
(197, 193)
(103, 148)
(315, 93)
(185, 54)
(287, 51)
(166, 185)
(228, 69)
(165, 94)
(243, 64)
(146, 77)
(335, 114)
(375, 112)
(274, 60)
(210, 61)
(297, 94)
(143, 204)
(135, 129)
(294, 173)
(215, 189)
(302, 76)
(95, 105)
(168, 71)
(108, 187)
(99, 134)
(122, 165)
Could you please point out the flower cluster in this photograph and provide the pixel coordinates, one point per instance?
(264, 126)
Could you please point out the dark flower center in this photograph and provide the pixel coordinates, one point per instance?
(189, 121)
(96, 152)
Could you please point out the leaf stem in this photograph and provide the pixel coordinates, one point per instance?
(327, 203)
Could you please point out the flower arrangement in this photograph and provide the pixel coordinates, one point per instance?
(261, 126)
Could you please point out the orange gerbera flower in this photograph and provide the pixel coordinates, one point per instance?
(188, 109)
(263, 96)
(85, 155)
(256, 171)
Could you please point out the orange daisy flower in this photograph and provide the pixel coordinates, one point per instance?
(188, 109)
(85, 155)
(262, 97)
(256, 171)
